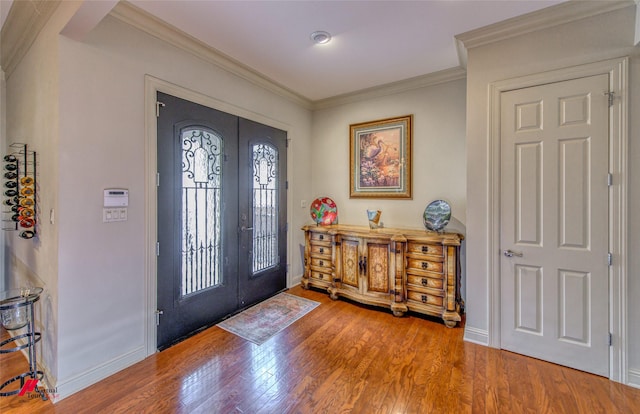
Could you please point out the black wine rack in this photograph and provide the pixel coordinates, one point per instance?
(20, 191)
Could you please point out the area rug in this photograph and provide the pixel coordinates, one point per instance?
(262, 321)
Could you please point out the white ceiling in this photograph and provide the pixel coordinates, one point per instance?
(374, 42)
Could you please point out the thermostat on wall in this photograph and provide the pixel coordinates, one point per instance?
(116, 197)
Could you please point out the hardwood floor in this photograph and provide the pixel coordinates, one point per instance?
(340, 358)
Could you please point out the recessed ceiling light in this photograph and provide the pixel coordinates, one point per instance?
(321, 37)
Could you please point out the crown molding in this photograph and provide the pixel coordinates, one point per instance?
(138, 18)
(24, 22)
(546, 18)
(417, 82)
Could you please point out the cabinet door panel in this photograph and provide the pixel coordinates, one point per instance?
(350, 262)
(378, 268)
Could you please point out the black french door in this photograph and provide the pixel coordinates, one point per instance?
(221, 216)
(263, 207)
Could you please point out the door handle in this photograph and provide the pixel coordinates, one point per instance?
(243, 228)
(511, 253)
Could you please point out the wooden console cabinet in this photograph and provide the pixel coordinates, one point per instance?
(401, 269)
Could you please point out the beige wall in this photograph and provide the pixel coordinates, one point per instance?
(32, 118)
(438, 154)
(588, 40)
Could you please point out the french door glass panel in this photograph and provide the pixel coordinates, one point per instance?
(201, 212)
(265, 207)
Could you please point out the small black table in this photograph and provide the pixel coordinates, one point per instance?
(16, 312)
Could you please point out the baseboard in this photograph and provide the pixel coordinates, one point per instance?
(295, 280)
(477, 336)
(65, 388)
(634, 378)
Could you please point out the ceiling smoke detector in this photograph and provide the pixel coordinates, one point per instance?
(321, 37)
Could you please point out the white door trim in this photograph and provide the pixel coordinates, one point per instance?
(617, 69)
(152, 86)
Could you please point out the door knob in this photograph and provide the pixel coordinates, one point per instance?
(511, 253)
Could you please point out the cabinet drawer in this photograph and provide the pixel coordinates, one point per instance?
(426, 265)
(423, 248)
(317, 262)
(325, 277)
(424, 298)
(320, 250)
(320, 237)
(428, 282)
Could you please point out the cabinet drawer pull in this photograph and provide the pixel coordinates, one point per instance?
(321, 263)
(425, 282)
(321, 237)
(425, 265)
(321, 250)
(321, 276)
(425, 249)
(424, 298)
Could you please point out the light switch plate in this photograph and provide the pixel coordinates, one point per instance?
(114, 214)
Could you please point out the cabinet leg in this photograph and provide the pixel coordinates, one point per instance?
(450, 324)
(399, 309)
(451, 319)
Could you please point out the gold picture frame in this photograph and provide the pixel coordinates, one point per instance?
(380, 158)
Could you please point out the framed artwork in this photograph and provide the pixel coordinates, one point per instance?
(380, 158)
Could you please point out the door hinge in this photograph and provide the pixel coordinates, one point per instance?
(157, 248)
(609, 179)
(158, 313)
(158, 106)
(610, 339)
(157, 179)
(286, 185)
(609, 259)
(610, 96)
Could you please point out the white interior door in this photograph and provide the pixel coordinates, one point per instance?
(554, 223)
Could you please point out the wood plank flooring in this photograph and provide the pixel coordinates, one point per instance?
(340, 358)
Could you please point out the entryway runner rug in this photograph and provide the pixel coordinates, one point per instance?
(262, 321)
